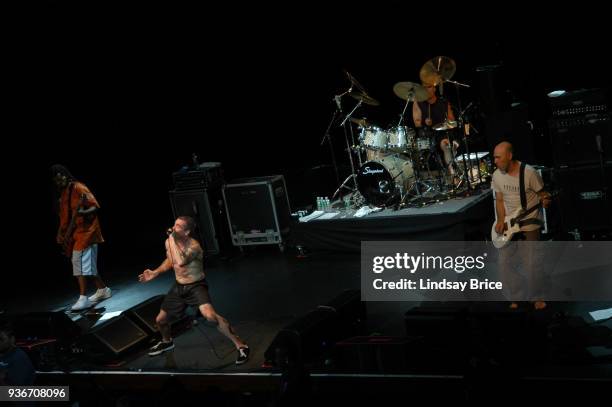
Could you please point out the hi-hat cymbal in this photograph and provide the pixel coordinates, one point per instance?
(363, 122)
(364, 98)
(447, 125)
(438, 70)
(410, 90)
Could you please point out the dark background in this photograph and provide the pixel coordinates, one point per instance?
(123, 97)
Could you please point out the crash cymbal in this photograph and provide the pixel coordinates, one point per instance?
(364, 98)
(438, 70)
(363, 122)
(410, 90)
(447, 125)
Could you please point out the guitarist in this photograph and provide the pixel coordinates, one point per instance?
(79, 234)
(518, 185)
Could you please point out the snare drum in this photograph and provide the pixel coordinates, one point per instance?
(424, 139)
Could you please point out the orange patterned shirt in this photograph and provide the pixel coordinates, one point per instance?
(87, 228)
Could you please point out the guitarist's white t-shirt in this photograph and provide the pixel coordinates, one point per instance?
(509, 187)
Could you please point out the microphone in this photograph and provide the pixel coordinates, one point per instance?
(169, 231)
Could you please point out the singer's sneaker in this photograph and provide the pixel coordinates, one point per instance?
(101, 294)
(243, 355)
(161, 347)
(81, 304)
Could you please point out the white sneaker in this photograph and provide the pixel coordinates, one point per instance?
(81, 304)
(101, 294)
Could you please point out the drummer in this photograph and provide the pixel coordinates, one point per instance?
(435, 111)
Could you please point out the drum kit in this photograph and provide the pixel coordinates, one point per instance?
(399, 165)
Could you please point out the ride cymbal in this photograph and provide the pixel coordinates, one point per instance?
(410, 90)
(364, 98)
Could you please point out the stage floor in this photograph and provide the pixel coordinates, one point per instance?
(261, 292)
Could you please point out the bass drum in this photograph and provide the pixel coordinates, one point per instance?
(381, 182)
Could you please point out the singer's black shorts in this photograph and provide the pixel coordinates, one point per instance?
(182, 295)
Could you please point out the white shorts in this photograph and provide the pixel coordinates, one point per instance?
(85, 262)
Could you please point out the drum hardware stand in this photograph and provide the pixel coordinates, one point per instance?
(355, 146)
(465, 130)
(448, 168)
(466, 133)
(433, 153)
(409, 99)
(327, 137)
(397, 193)
(362, 97)
(415, 186)
(352, 176)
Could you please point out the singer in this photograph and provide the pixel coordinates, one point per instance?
(184, 255)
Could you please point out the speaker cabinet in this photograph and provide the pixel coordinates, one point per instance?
(144, 315)
(206, 207)
(113, 338)
(585, 197)
(258, 210)
(578, 141)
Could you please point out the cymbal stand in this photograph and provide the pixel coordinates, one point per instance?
(326, 136)
(408, 100)
(465, 130)
(352, 176)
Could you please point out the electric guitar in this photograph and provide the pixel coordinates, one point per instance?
(68, 240)
(512, 225)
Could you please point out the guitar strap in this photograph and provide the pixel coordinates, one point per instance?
(522, 186)
(532, 221)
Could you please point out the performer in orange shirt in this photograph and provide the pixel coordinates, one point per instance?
(79, 234)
